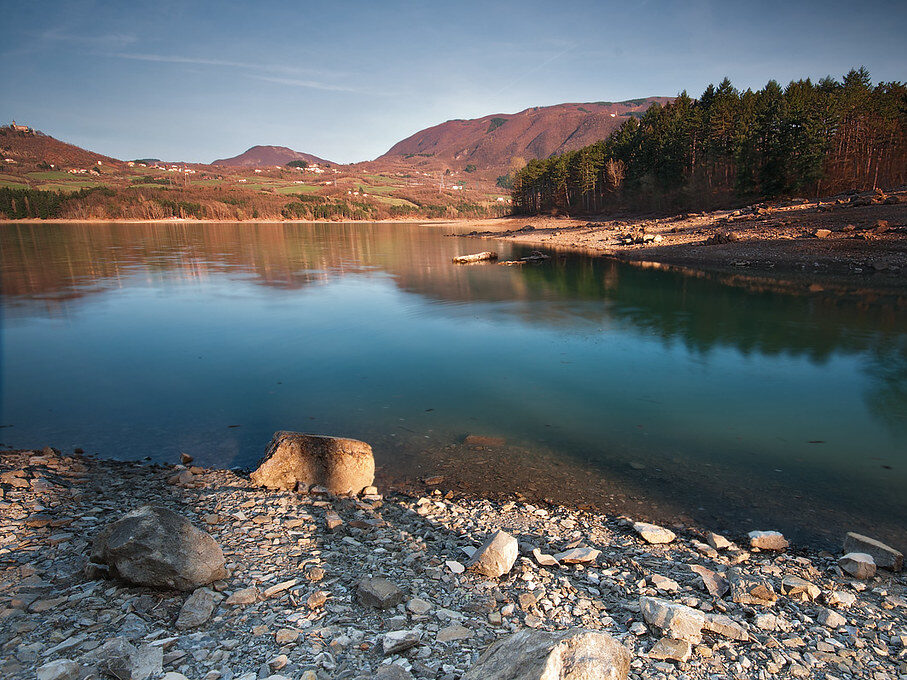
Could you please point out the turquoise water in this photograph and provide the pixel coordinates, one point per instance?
(673, 394)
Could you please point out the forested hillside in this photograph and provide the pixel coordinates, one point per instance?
(807, 139)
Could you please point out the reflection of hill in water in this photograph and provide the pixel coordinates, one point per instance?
(43, 265)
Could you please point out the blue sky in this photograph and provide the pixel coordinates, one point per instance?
(197, 81)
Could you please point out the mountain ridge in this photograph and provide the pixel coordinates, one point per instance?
(262, 155)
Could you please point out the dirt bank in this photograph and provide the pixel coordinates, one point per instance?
(861, 239)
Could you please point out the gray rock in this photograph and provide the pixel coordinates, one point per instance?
(399, 640)
(884, 556)
(768, 540)
(726, 627)
(746, 589)
(858, 565)
(715, 583)
(676, 620)
(831, 618)
(392, 672)
(338, 464)
(575, 654)
(496, 556)
(379, 593)
(153, 546)
(197, 609)
(121, 660)
(652, 533)
(61, 669)
(578, 556)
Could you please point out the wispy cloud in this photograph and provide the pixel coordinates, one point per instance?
(108, 41)
(249, 66)
(312, 84)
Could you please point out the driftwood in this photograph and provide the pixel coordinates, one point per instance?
(533, 257)
(477, 257)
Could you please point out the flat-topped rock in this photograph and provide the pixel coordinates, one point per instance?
(379, 593)
(652, 533)
(884, 556)
(294, 459)
(768, 540)
(676, 620)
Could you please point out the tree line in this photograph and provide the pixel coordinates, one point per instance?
(808, 139)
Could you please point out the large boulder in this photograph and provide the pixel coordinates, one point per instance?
(294, 459)
(153, 546)
(575, 654)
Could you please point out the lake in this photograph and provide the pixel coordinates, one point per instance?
(643, 391)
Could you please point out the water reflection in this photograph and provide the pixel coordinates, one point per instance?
(142, 339)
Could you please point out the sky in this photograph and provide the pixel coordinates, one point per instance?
(196, 81)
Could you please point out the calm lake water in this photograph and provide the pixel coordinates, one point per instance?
(642, 391)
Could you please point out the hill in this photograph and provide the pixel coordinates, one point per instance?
(539, 132)
(30, 147)
(262, 156)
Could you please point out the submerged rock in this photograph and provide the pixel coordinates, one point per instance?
(340, 465)
(574, 654)
(153, 546)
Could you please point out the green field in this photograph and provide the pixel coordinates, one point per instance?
(298, 189)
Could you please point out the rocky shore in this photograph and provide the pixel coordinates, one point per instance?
(856, 239)
(317, 586)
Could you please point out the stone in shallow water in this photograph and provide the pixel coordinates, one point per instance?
(496, 556)
(577, 654)
(884, 556)
(153, 546)
(858, 565)
(379, 593)
(768, 540)
(676, 620)
(652, 533)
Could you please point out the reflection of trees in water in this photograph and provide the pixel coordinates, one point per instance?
(46, 268)
(887, 397)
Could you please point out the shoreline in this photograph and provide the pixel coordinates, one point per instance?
(299, 617)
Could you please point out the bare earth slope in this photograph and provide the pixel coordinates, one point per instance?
(261, 156)
(34, 147)
(492, 141)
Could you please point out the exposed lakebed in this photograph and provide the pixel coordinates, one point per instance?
(635, 390)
